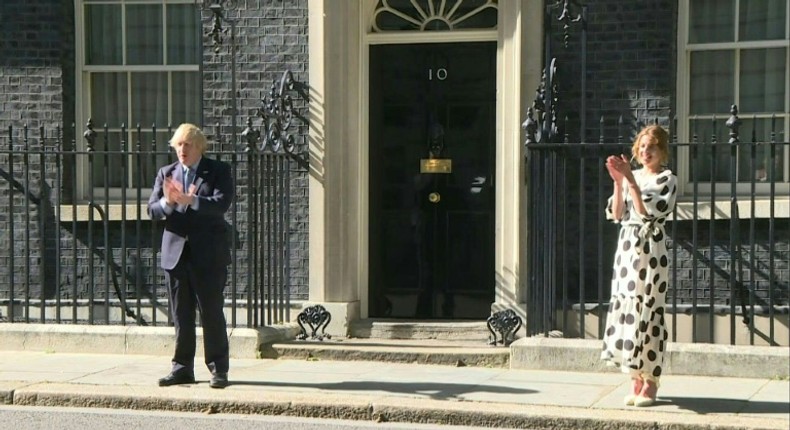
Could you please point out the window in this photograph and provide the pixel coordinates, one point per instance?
(434, 15)
(138, 62)
(734, 52)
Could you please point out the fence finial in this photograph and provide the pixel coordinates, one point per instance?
(601, 125)
(530, 126)
(250, 135)
(90, 134)
(566, 19)
(733, 124)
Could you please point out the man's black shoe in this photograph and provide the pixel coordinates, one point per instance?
(177, 378)
(218, 380)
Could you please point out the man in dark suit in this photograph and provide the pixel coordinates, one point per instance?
(192, 195)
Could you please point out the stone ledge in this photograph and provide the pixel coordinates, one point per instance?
(244, 342)
(700, 359)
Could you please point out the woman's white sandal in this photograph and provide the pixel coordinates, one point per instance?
(637, 386)
(642, 401)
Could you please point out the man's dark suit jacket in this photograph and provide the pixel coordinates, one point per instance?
(205, 228)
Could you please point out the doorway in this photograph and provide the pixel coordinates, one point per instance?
(432, 169)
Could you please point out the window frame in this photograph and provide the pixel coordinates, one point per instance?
(684, 134)
(83, 107)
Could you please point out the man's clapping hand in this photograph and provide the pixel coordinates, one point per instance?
(174, 193)
(188, 198)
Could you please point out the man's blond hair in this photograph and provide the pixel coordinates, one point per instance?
(189, 133)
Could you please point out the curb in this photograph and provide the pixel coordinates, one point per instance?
(382, 409)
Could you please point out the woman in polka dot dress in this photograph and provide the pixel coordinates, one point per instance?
(636, 334)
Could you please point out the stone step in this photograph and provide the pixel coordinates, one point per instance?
(454, 343)
(455, 331)
(419, 351)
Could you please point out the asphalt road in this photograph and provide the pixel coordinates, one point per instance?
(45, 418)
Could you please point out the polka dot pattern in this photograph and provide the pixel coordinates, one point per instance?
(635, 333)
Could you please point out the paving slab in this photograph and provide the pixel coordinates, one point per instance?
(384, 391)
(773, 400)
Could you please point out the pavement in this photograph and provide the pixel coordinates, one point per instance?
(394, 391)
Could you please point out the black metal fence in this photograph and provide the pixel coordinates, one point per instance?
(729, 236)
(77, 246)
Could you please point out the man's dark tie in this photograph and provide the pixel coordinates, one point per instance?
(187, 182)
(182, 208)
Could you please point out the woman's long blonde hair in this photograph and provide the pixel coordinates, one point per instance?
(659, 136)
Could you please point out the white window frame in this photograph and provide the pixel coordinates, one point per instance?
(83, 104)
(723, 190)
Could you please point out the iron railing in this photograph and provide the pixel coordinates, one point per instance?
(726, 262)
(77, 246)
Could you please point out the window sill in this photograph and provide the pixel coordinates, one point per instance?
(114, 211)
(685, 209)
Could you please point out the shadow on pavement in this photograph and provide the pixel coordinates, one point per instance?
(402, 344)
(704, 405)
(436, 391)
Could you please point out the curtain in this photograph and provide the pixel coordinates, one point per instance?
(762, 20)
(711, 21)
(183, 34)
(102, 38)
(144, 33)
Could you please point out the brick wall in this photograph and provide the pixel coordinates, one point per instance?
(630, 65)
(36, 58)
(36, 86)
(271, 38)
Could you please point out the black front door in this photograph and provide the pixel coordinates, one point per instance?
(432, 168)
